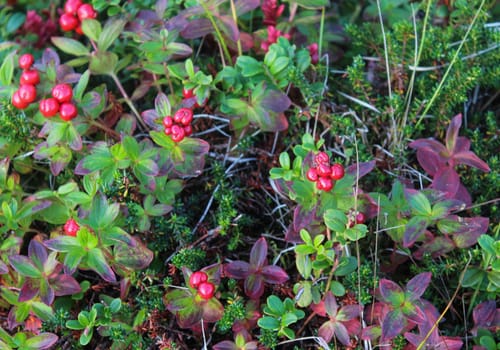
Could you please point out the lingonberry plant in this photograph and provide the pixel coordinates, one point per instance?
(249, 174)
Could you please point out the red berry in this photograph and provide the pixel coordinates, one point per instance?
(206, 290)
(71, 6)
(49, 107)
(68, 22)
(79, 30)
(178, 133)
(183, 116)
(360, 218)
(188, 130)
(27, 93)
(196, 278)
(62, 93)
(168, 122)
(168, 131)
(312, 175)
(67, 111)
(26, 61)
(86, 11)
(187, 93)
(71, 227)
(30, 77)
(323, 169)
(17, 102)
(337, 171)
(324, 183)
(322, 157)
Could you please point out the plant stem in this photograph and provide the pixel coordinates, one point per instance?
(128, 101)
(217, 32)
(321, 30)
(235, 19)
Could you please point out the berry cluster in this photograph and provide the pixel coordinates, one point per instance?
(75, 11)
(179, 126)
(323, 174)
(26, 94)
(356, 217)
(59, 102)
(199, 281)
(71, 227)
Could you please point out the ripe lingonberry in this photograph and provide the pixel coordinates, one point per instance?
(206, 290)
(324, 184)
(86, 11)
(49, 107)
(71, 227)
(312, 175)
(168, 122)
(67, 111)
(27, 93)
(321, 157)
(197, 278)
(360, 218)
(26, 61)
(62, 93)
(188, 130)
(68, 22)
(18, 102)
(323, 169)
(337, 171)
(168, 131)
(178, 133)
(183, 116)
(71, 6)
(30, 77)
(187, 93)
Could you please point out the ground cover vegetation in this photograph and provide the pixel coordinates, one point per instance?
(249, 174)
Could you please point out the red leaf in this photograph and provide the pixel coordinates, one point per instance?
(274, 274)
(348, 312)
(430, 161)
(326, 331)
(418, 284)
(390, 291)
(237, 269)
(364, 168)
(341, 333)
(258, 254)
(470, 159)
(392, 325)
(254, 286)
(331, 305)
(446, 180)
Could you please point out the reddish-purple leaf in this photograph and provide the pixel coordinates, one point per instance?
(29, 290)
(430, 161)
(418, 284)
(326, 331)
(254, 286)
(414, 314)
(197, 28)
(229, 27)
(150, 116)
(65, 285)
(258, 254)
(463, 195)
(470, 231)
(432, 145)
(414, 229)
(364, 168)
(237, 269)
(452, 132)
(391, 292)
(341, 333)
(46, 292)
(276, 101)
(461, 145)
(212, 310)
(393, 323)
(225, 345)
(348, 312)
(190, 316)
(37, 253)
(370, 333)
(484, 316)
(244, 6)
(470, 159)
(41, 341)
(446, 180)
(274, 274)
(331, 305)
(3, 268)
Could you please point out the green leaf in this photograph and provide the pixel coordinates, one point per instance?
(311, 4)
(74, 324)
(7, 69)
(131, 146)
(285, 160)
(110, 33)
(249, 66)
(420, 204)
(103, 62)
(97, 261)
(24, 266)
(81, 85)
(70, 46)
(92, 28)
(15, 21)
(269, 323)
(335, 220)
(275, 305)
(162, 140)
